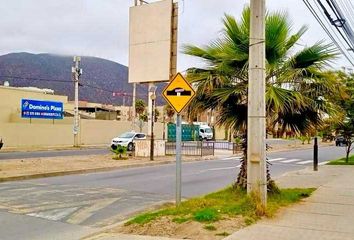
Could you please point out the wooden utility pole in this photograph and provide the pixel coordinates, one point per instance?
(256, 126)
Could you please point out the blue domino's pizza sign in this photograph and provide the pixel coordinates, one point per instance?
(41, 109)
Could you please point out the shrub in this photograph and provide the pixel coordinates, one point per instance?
(119, 152)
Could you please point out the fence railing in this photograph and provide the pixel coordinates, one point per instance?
(194, 148)
(201, 148)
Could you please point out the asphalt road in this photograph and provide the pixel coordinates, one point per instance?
(50, 153)
(77, 204)
(4, 155)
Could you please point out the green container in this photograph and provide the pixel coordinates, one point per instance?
(190, 132)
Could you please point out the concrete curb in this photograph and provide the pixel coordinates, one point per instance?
(304, 147)
(94, 170)
(81, 171)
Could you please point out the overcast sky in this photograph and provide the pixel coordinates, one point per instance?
(100, 27)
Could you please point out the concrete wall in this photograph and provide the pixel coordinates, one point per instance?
(220, 133)
(25, 133)
(10, 101)
(142, 148)
(92, 132)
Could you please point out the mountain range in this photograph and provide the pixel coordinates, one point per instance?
(102, 81)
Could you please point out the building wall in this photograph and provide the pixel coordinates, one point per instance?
(10, 102)
(92, 132)
(19, 132)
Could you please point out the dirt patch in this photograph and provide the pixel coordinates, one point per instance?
(165, 227)
(33, 166)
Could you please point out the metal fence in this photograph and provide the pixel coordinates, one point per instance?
(201, 148)
(223, 145)
(194, 148)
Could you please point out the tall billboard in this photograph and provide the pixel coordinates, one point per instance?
(150, 43)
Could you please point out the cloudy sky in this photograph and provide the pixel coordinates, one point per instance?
(100, 27)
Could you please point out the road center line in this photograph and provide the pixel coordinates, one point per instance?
(229, 158)
(305, 162)
(291, 160)
(218, 169)
(276, 159)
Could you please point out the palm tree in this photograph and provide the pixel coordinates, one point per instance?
(140, 107)
(294, 80)
(170, 112)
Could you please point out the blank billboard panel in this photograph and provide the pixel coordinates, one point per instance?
(150, 42)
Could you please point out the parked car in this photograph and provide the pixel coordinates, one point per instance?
(340, 141)
(127, 140)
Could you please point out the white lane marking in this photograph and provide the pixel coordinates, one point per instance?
(291, 160)
(218, 169)
(305, 162)
(323, 163)
(54, 215)
(276, 159)
(230, 158)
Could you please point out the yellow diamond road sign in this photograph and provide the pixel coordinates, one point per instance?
(178, 93)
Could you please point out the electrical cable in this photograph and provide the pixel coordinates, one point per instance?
(333, 36)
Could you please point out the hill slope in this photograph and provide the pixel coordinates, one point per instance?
(100, 77)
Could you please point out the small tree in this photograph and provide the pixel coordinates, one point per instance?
(170, 112)
(346, 127)
(119, 152)
(140, 107)
(156, 114)
(347, 131)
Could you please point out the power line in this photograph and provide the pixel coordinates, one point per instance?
(36, 79)
(81, 84)
(344, 38)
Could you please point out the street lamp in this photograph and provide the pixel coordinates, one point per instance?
(152, 94)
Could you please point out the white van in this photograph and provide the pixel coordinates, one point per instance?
(205, 132)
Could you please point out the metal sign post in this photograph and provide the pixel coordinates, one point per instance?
(178, 93)
(178, 160)
(315, 155)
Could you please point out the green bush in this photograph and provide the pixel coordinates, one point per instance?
(119, 151)
(206, 215)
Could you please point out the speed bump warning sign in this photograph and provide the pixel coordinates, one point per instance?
(178, 93)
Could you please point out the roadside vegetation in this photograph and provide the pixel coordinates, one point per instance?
(212, 210)
(343, 161)
(120, 152)
(303, 97)
(297, 81)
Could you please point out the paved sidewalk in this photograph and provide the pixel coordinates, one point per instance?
(107, 236)
(327, 215)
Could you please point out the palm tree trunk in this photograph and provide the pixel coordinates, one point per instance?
(241, 181)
